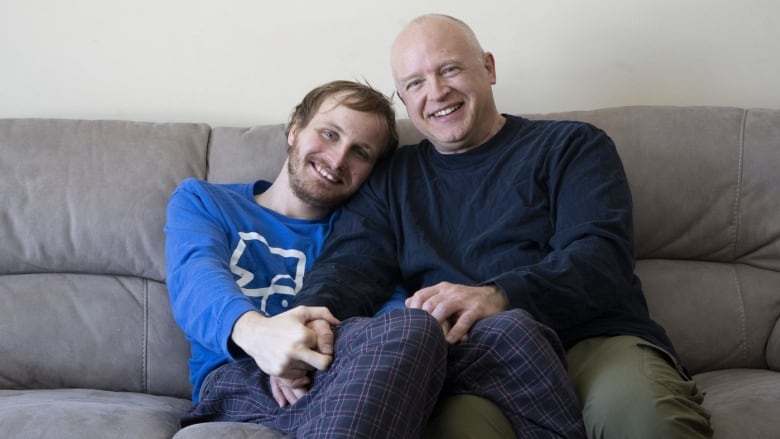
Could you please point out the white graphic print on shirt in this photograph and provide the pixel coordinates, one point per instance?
(278, 275)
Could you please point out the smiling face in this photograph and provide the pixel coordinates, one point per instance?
(334, 153)
(445, 81)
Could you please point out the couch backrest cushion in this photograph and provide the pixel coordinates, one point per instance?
(246, 154)
(82, 257)
(85, 196)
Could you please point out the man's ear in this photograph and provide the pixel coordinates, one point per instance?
(291, 134)
(490, 65)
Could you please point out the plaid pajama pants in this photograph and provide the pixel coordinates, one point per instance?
(520, 365)
(389, 371)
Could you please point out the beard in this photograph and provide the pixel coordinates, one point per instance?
(312, 192)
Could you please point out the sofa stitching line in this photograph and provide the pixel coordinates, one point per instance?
(743, 320)
(735, 229)
(145, 340)
(736, 221)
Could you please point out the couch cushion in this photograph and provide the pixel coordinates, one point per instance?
(743, 402)
(89, 196)
(773, 348)
(80, 330)
(88, 414)
(233, 430)
(718, 315)
(246, 154)
(758, 239)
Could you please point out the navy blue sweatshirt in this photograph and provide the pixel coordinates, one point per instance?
(542, 210)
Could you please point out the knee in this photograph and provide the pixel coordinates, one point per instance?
(516, 326)
(630, 411)
(515, 322)
(639, 393)
(416, 322)
(414, 329)
(399, 330)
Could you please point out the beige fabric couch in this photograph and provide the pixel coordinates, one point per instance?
(88, 347)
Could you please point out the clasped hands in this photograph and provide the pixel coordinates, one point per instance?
(289, 345)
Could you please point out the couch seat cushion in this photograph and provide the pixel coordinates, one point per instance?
(743, 402)
(233, 430)
(88, 414)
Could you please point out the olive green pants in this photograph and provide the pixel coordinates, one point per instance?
(629, 389)
(467, 417)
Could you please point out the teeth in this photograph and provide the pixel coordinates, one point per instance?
(445, 111)
(320, 170)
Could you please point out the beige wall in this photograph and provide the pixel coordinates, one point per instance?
(241, 62)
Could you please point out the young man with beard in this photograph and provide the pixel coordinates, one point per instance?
(236, 254)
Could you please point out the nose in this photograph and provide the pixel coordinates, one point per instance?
(438, 88)
(338, 155)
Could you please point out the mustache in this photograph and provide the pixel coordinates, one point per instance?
(337, 172)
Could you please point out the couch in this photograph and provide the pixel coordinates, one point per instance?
(89, 349)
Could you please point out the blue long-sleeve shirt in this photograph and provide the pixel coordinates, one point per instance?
(542, 210)
(226, 255)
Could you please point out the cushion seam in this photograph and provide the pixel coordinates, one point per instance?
(736, 219)
(145, 341)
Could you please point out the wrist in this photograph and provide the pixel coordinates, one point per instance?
(243, 327)
(499, 297)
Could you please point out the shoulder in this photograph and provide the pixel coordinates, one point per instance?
(568, 136)
(407, 162)
(195, 186)
(199, 195)
(557, 127)
(407, 154)
(198, 187)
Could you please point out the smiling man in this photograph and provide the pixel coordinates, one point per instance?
(236, 255)
(495, 218)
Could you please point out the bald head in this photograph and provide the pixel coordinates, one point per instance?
(427, 27)
(445, 81)
(446, 20)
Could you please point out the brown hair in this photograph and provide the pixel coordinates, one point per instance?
(358, 97)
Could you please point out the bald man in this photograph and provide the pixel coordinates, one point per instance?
(494, 215)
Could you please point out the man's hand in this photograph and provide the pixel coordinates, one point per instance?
(290, 344)
(459, 305)
(287, 391)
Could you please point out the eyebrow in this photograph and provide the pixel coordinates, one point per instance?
(406, 78)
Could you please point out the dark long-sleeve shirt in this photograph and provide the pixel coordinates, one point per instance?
(542, 210)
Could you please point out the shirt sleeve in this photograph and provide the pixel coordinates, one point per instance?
(205, 299)
(590, 261)
(357, 270)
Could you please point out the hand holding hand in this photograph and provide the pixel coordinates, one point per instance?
(290, 344)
